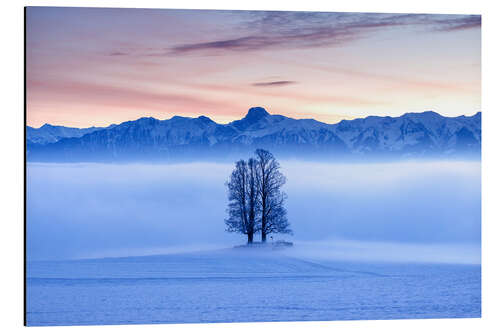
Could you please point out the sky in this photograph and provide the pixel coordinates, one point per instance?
(95, 67)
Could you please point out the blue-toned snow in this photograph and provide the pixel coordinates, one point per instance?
(245, 285)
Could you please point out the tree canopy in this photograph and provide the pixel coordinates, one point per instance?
(256, 201)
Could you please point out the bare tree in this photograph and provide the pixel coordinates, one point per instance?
(256, 202)
(271, 200)
(242, 201)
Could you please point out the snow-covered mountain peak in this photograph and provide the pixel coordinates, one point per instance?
(256, 113)
(426, 116)
(254, 116)
(205, 119)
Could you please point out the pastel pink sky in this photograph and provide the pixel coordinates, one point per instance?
(94, 67)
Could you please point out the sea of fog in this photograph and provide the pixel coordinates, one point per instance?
(405, 211)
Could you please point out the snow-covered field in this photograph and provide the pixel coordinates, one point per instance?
(241, 285)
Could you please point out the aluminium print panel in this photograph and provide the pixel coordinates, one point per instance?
(202, 166)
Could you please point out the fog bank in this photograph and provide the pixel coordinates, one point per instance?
(96, 210)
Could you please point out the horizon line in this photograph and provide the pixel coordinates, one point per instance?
(195, 117)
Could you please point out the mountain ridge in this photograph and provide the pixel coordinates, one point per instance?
(412, 135)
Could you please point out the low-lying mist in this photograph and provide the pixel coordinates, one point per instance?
(98, 210)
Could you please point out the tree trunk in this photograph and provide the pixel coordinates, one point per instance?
(263, 221)
(250, 238)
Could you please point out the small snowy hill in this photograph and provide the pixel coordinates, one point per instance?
(226, 263)
(231, 286)
(184, 138)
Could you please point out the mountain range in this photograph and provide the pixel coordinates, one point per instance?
(414, 135)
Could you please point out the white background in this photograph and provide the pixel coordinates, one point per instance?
(11, 149)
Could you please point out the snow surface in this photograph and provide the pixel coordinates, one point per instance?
(242, 285)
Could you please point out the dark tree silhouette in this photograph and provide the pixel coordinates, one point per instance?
(242, 200)
(256, 202)
(271, 199)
